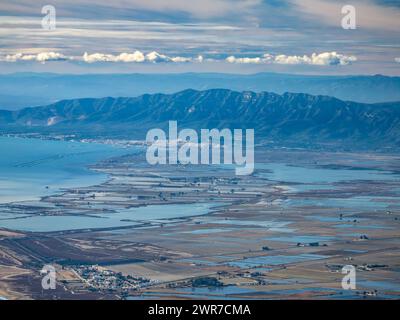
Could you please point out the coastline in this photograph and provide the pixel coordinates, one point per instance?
(75, 172)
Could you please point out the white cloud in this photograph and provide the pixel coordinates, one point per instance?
(397, 60)
(284, 59)
(156, 57)
(332, 58)
(233, 59)
(181, 59)
(137, 56)
(322, 59)
(266, 58)
(40, 57)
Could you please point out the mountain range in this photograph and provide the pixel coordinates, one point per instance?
(46, 88)
(291, 117)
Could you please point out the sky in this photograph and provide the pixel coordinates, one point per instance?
(233, 36)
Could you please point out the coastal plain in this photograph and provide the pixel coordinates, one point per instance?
(201, 232)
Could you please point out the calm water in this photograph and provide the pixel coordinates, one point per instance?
(301, 239)
(313, 179)
(274, 260)
(287, 173)
(32, 168)
(123, 218)
(358, 202)
(28, 166)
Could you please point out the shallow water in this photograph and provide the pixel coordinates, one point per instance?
(359, 202)
(123, 218)
(207, 231)
(379, 285)
(287, 173)
(32, 168)
(274, 260)
(265, 224)
(225, 290)
(301, 239)
(336, 219)
(357, 226)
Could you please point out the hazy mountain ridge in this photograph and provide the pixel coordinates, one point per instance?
(289, 116)
(44, 88)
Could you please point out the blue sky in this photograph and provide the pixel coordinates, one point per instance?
(241, 36)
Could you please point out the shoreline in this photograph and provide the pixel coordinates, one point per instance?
(63, 185)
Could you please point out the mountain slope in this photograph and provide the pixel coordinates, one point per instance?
(46, 88)
(289, 116)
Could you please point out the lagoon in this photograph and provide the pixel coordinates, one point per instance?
(33, 168)
(123, 218)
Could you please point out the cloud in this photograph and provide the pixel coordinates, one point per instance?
(125, 57)
(40, 57)
(397, 60)
(137, 56)
(321, 59)
(156, 57)
(266, 58)
(233, 59)
(215, 28)
(204, 9)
